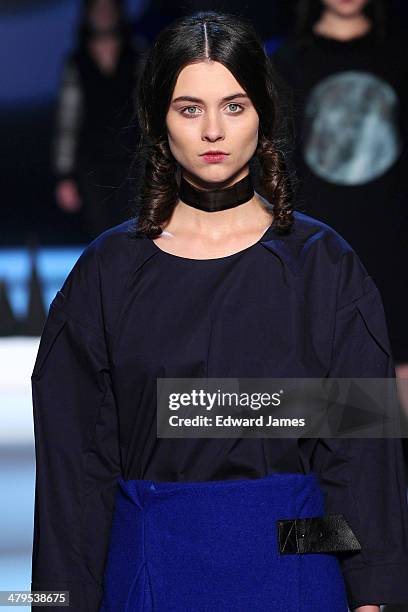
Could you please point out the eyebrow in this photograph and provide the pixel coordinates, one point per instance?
(199, 101)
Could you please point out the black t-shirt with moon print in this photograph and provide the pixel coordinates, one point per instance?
(350, 110)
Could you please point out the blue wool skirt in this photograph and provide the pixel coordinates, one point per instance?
(213, 546)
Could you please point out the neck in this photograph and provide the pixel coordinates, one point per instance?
(336, 26)
(186, 220)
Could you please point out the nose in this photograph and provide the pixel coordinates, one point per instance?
(212, 127)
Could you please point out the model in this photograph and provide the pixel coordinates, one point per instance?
(213, 278)
(94, 131)
(348, 77)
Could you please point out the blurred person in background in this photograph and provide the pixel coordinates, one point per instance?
(349, 83)
(95, 130)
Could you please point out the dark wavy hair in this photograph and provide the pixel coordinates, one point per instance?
(233, 42)
(309, 11)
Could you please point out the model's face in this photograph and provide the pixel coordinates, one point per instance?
(103, 14)
(210, 111)
(345, 8)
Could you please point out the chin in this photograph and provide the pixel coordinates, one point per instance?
(215, 175)
(348, 8)
(348, 13)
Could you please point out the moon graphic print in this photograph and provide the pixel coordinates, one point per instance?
(350, 131)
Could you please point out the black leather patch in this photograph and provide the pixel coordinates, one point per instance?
(330, 533)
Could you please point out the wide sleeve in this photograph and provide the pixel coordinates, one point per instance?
(68, 122)
(76, 445)
(364, 478)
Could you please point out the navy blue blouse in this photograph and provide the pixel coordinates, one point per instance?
(300, 305)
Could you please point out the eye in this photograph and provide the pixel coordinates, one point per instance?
(236, 108)
(188, 109)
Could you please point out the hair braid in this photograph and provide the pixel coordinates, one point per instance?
(275, 183)
(160, 190)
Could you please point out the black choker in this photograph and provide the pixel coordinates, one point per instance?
(217, 199)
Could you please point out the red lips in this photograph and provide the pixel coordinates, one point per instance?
(214, 153)
(214, 156)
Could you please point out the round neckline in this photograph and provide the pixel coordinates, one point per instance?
(343, 43)
(223, 258)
